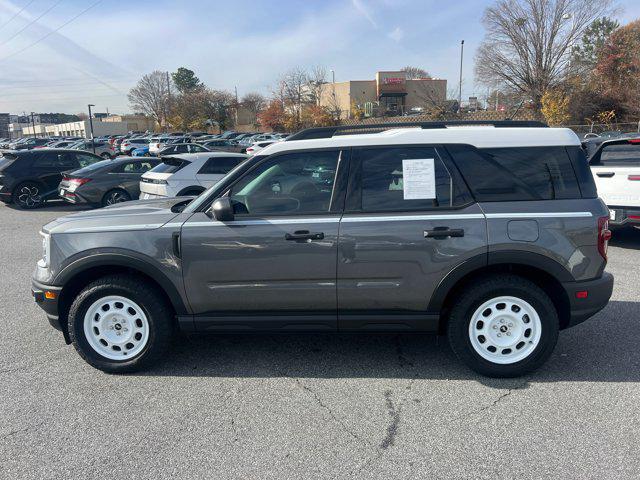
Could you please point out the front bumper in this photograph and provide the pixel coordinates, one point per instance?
(47, 297)
(598, 295)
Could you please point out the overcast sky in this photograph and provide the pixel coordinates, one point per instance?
(54, 57)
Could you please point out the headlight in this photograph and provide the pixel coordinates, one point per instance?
(46, 250)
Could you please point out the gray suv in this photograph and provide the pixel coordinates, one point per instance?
(490, 234)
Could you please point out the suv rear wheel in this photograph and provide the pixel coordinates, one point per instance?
(120, 324)
(503, 326)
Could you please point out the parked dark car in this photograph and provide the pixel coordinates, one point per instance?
(106, 183)
(32, 143)
(28, 178)
(224, 145)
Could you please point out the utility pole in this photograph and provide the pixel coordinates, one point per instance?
(33, 125)
(235, 88)
(93, 144)
(167, 110)
(460, 92)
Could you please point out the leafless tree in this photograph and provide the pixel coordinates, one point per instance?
(151, 96)
(254, 103)
(294, 91)
(527, 44)
(316, 79)
(414, 73)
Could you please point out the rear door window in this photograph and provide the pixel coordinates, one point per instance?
(517, 173)
(170, 165)
(406, 179)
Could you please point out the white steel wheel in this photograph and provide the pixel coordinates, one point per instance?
(116, 327)
(505, 330)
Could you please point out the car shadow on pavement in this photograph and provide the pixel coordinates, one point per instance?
(53, 206)
(625, 237)
(604, 349)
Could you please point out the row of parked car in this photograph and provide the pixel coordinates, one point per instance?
(147, 145)
(29, 178)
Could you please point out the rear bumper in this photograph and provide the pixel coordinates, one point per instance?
(598, 295)
(624, 216)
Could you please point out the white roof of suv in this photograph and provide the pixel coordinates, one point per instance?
(478, 136)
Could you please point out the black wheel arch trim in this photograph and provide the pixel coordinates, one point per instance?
(479, 262)
(128, 260)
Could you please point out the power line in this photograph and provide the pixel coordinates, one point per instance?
(15, 15)
(51, 32)
(31, 22)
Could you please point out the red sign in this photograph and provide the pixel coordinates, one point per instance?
(393, 80)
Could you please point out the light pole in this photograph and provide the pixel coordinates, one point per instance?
(460, 91)
(33, 124)
(93, 144)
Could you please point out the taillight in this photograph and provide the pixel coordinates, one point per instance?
(78, 181)
(635, 178)
(604, 235)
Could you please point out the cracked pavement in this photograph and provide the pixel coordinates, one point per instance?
(314, 406)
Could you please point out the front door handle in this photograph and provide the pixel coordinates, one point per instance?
(303, 235)
(444, 232)
(605, 174)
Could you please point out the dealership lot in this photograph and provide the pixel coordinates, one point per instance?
(314, 406)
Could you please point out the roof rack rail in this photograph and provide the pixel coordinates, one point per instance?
(328, 132)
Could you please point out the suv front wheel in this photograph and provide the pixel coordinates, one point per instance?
(503, 326)
(120, 324)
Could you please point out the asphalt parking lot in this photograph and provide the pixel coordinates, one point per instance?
(274, 407)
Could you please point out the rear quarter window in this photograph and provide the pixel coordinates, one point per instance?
(170, 165)
(517, 173)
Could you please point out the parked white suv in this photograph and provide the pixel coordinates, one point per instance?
(187, 174)
(156, 144)
(616, 169)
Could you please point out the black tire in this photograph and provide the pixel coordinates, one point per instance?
(28, 195)
(158, 312)
(115, 196)
(474, 295)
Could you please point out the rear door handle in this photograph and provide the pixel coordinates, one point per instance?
(444, 232)
(301, 235)
(605, 174)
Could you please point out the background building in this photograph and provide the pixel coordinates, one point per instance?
(5, 119)
(391, 93)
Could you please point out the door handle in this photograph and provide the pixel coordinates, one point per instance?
(444, 232)
(304, 235)
(605, 174)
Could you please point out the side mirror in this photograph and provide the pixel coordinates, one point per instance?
(222, 209)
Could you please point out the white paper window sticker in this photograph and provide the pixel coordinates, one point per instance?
(419, 179)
